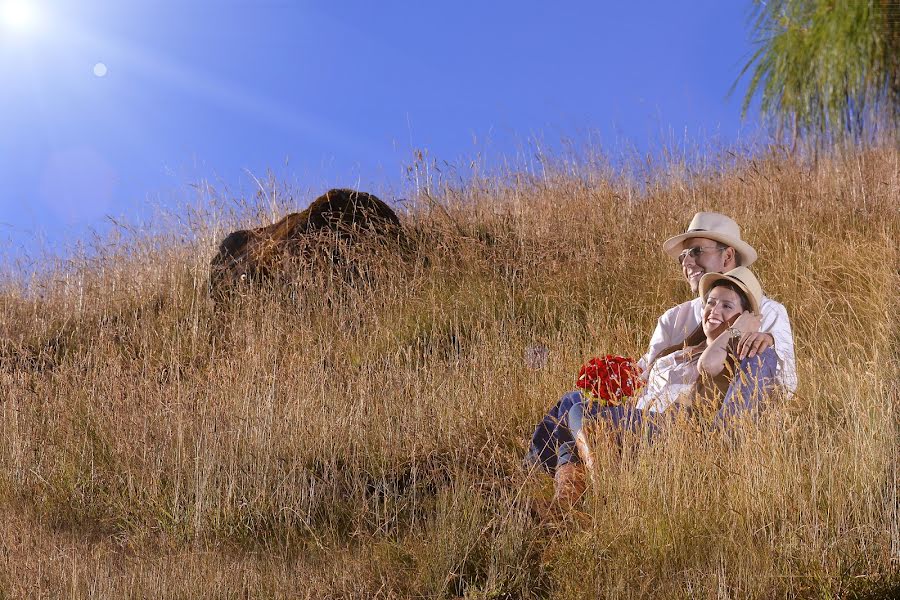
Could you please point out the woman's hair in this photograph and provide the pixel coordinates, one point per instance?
(745, 302)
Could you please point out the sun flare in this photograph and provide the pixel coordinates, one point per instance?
(18, 15)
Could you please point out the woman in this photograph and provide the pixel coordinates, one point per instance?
(701, 377)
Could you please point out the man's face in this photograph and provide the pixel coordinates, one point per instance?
(710, 259)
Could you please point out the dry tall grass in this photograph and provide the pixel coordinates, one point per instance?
(367, 443)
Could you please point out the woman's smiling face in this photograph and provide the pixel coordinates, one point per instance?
(723, 307)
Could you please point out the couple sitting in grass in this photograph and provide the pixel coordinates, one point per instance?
(713, 356)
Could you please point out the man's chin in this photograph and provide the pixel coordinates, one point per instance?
(694, 282)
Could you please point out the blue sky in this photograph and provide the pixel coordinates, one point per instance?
(332, 94)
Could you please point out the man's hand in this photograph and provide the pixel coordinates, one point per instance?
(755, 343)
(752, 341)
(747, 322)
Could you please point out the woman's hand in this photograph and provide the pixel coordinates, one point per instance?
(712, 360)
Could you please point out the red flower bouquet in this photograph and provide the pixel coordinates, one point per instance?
(610, 379)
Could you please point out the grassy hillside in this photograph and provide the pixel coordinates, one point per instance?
(366, 443)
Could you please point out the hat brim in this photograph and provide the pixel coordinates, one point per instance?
(746, 254)
(708, 280)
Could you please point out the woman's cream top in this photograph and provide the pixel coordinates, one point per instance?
(671, 377)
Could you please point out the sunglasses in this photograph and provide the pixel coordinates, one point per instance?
(696, 251)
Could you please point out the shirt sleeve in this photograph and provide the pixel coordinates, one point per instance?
(775, 322)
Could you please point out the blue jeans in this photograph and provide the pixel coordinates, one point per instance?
(553, 441)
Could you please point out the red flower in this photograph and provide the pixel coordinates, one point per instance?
(610, 378)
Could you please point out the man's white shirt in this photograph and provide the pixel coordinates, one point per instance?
(678, 322)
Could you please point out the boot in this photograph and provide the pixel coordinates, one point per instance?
(568, 485)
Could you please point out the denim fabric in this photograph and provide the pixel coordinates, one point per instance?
(756, 376)
(553, 441)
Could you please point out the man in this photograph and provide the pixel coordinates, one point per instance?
(713, 244)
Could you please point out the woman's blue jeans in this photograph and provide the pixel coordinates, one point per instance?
(553, 441)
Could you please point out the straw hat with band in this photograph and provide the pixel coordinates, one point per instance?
(717, 227)
(741, 277)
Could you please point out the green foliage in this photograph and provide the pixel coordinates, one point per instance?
(826, 71)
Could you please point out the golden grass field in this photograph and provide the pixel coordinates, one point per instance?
(367, 443)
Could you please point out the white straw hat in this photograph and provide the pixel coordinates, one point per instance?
(717, 227)
(741, 277)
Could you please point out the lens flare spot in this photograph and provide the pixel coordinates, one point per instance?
(100, 69)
